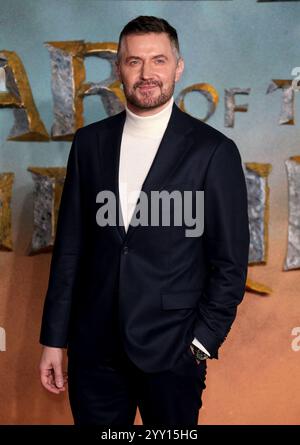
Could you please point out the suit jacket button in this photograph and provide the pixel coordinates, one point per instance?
(125, 250)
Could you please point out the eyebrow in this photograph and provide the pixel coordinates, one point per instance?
(139, 58)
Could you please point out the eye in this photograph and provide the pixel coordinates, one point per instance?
(133, 62)
(160, 61)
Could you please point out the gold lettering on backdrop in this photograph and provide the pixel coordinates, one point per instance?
(69, 87)
(231, 107)
(257, 288)
(292, 260)
(258, 192)
(48, 185)
(258, 210)
(207, 90)
(27, 123)
(6, 184)
(287, 111)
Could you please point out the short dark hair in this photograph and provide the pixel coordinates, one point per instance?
(144, 24)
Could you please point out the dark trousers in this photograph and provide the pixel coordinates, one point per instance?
(109, 393)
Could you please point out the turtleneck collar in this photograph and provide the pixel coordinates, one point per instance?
(148, 126)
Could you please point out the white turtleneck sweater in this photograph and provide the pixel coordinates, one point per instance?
(140, 140)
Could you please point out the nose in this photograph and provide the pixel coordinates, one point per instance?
(146, 71)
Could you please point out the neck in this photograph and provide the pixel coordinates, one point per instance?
(149, 126)
(147, 112)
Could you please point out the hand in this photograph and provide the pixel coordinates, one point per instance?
(51, 375)
(198, 361)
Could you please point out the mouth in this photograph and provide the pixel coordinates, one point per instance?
(147, 87)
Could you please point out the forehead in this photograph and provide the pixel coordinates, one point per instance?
(150, 43)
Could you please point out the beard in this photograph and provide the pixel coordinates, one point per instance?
(147, 101)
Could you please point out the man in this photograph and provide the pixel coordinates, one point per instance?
(141, 307)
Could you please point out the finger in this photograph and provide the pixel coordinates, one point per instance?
(58, 376)
(48, 382)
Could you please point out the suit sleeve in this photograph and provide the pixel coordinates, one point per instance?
(226, 246)
(65, 257)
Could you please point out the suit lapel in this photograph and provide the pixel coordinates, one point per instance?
(174, 144)
(109, 147)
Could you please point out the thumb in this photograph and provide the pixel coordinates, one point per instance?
(58, 376)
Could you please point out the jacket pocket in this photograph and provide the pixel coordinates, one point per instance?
(180, 300)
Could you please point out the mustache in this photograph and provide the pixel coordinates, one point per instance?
(144, 84)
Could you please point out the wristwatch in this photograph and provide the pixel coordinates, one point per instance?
(199, 355)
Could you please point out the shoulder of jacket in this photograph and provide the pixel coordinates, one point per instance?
(102, 124)
(205, 133)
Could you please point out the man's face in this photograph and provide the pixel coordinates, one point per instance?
(148, 70)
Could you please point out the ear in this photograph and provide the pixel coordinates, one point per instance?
(179, 69)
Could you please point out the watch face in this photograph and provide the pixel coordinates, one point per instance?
(200, 355)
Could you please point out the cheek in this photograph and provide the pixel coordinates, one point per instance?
(129, 79)
(167, 76)
(167, 80)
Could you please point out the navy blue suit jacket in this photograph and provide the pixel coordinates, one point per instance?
(153, 285)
